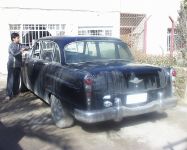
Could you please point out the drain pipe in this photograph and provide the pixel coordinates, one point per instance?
(172, 36)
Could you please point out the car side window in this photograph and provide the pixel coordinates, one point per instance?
(74, 52)
(123, 53)
(47, 50)
(107, 50)
(91, 49)
(75, 47)
(56, 55)
(36, 50)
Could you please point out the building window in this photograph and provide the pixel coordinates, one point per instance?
(31, 32)
(82, 32)
(108, 32)
(95, 31)
(15, 27)
(178, 43)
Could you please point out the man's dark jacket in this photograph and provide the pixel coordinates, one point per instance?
(15, 56)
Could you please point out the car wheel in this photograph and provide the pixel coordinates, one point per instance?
(60, 115)
(22, 87)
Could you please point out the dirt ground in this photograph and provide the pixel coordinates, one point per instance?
(25, 124)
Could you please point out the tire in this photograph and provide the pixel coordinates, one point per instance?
(60, 115)
(22, 87)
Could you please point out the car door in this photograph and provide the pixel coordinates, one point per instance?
(43, 67)
(37, 66)
(52, 71)
(30, 64)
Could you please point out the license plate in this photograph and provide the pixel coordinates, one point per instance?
(136, 98)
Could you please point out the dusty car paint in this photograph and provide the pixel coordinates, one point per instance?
(114, 79)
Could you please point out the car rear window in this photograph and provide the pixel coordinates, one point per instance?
(83, 51)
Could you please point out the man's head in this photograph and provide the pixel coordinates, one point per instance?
(15, 37)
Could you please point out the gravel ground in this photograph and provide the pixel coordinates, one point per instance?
(25, 124)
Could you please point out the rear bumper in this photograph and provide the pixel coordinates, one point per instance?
(119, 112)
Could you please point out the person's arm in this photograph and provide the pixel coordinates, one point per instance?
(24, 48)
(14, 50)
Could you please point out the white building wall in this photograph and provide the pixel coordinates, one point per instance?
(72, 13)
(73, 5)
(5, 38)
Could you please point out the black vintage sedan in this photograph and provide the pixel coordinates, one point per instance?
(94, 79)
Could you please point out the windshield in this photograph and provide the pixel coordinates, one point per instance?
(84, 51)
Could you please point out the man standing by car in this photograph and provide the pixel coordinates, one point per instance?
(14, 66)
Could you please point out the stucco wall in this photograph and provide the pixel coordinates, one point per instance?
(90, 5)
(72, 19)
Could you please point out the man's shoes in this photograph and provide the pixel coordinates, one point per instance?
(7, 98)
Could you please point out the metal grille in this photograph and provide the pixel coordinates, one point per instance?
(132, 29)
(95, 31)
(31, 32)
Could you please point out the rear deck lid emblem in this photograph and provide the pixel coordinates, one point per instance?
(136, 80)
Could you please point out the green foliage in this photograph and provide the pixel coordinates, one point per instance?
(154, 60)
(185, 4)
(181, 80)
(182, 22)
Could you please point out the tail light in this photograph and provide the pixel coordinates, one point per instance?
(88, 82)
(173, 74)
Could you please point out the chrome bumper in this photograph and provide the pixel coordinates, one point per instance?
(118, 112)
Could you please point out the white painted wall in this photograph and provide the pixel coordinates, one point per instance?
(72, 13)
(159, 11)
(90, 5)
(5, 38)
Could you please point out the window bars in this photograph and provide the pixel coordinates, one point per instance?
(31, 32)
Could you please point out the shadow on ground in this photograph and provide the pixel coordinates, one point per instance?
(171, 146)
(10, 136)
(28, 116)
(129, 121)
(2, 95)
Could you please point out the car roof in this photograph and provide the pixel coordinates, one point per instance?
(64, 40)
(78, 38)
